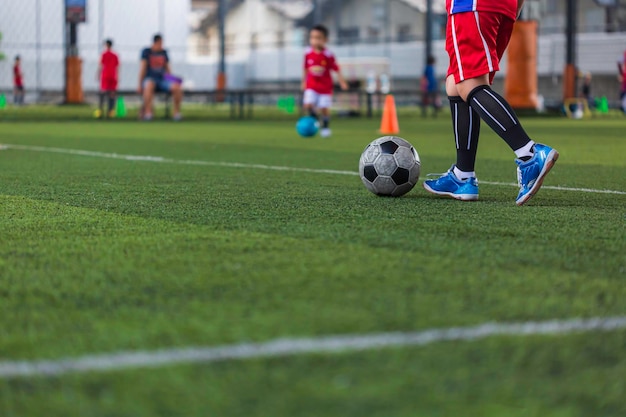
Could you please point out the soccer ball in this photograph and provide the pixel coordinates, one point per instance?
(389, 166)
(307, 126)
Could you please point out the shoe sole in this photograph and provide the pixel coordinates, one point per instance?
(460, 197)
(552, 158)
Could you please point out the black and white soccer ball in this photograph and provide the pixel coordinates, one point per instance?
(389, 166)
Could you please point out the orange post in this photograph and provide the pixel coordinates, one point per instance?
(389, 124)
(74, 85)
(520, 85)
(221, 87)
(569, 82)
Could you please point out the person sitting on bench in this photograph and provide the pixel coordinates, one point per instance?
(154, 77)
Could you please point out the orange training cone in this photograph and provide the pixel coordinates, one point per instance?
(389, 124)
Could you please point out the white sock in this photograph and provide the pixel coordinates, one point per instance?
(526, 150)
(462, 175)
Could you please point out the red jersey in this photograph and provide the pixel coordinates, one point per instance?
(318, 67)
(17, 76)
(110, 63)
(624, 72)
(505, 7)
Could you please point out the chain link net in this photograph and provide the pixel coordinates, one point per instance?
(264, 44)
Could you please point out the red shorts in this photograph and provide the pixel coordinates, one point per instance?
(108, 84)
(476, 42)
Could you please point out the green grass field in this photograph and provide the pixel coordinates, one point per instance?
(100, 255)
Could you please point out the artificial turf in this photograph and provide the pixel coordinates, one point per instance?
(99, 255)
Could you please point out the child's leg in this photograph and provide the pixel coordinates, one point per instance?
(325, 102)
(476, 43)
(325, 132)
(497, 113)
(436, 103)
(149, 88)
(176, 90)
(309, 102)
(111, 101)
(466, 127)
(325, 117)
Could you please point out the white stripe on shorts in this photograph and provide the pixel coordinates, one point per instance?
(456, 49)
(487, 53)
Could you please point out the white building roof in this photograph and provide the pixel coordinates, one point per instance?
(295, 9)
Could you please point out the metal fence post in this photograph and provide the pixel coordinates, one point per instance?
(221, 72)
(388, 34)
(100, 23)
(161, 16)
(428, 27)
(569, 78)
(38, 48)
(317, 12)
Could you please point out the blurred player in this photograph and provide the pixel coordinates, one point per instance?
(317, 81)
(155, 65)
(477, 35)
(621, 67)
(108, 75)
(430, 88)
(585, 91)
(18, 82)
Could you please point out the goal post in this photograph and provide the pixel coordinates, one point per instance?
(365, 74)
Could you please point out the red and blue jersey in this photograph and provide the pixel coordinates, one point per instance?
(505, 7)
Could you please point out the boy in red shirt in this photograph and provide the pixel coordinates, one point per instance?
(108, 75)
(18, 82)
(478, 33)
(317, 81)
(621, 67)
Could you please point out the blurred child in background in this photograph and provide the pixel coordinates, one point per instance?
(317, 82)
(18, 82)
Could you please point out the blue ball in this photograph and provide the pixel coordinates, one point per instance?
(307, 126)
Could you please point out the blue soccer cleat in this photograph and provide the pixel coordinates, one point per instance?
(450, 186)
(531, 173)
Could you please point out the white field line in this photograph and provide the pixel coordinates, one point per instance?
(293, 347)
(162, 160)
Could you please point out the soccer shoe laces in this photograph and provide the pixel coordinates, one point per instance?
(519, 178)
